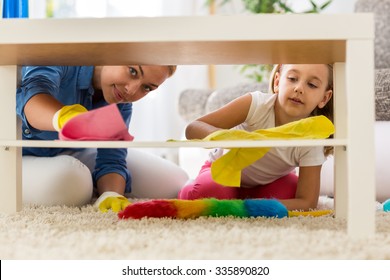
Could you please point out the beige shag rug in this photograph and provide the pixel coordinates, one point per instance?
(84, 233)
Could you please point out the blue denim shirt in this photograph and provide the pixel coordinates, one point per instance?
(69, 85)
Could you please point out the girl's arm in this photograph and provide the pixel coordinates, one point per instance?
(228, 116)
(308, 189)
(40, 109)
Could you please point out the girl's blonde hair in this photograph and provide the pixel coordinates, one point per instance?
(326, 111)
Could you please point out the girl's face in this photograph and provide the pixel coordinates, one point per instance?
(301, 88)
(123, 84)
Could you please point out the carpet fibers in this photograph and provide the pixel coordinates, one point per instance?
(39, 232)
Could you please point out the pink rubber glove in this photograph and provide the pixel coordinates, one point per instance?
(103, 124)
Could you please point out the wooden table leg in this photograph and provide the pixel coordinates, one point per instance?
(10, 157)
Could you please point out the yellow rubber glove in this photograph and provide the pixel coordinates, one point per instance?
(226, 170)
(66, 113)
(111, 200)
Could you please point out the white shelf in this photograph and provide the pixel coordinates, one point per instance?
(173, 144)
(181, 40)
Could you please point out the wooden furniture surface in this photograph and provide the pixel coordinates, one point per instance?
(243, 39)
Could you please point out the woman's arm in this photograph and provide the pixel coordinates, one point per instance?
(308, 189)
(111, 182)
(40, 109)
(228, 116)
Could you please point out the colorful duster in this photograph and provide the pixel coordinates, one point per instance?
(190, 209)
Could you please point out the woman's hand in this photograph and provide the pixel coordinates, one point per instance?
(62, 116)
(111, 187)
(111, 201)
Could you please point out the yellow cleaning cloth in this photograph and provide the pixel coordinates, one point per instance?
(315, 213)
(226, 170)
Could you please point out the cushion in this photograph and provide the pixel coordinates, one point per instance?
(381, 10)
(382, 95)
(223, 96)
(192, 103)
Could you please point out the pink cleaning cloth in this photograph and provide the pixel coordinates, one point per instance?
(102, 124)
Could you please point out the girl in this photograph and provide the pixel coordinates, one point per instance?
(298, 91)
(56, 176)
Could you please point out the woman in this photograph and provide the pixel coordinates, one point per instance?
(51, 95)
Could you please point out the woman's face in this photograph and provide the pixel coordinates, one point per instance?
(123, 84)
(301, 88)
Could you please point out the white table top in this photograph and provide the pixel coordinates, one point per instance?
(303, 38)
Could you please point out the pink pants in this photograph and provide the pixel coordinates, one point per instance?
(204, 187)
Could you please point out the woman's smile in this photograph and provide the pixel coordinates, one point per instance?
(117, 94)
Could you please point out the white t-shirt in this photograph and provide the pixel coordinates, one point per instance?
(279, 161)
